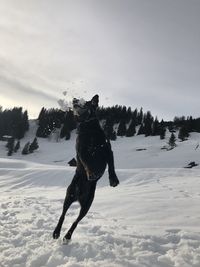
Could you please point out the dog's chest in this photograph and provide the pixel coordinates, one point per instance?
(90, 137)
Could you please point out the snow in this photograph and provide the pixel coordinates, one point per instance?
(150, 220)
(66, 104)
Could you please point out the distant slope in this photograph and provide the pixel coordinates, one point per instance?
(125, 150)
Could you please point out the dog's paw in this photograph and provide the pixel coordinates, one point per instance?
(114, 182)
(56, 234)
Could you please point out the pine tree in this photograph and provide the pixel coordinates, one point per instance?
(65, 132)
(172, 128)
(34, 145)
(131, 129)
(69, 124)
(25, 150)
(17, 146)
(70, 120)
(42, 114)
(44, 128)
(141, 130)
(162, 132)
(121, 128)
(183, 133)
(140, 116)
(172, 141)
(156, 127)
(10, 146)
(148, 121)
(25, 121)
(128, 114)
(189, 124)
(134, 116)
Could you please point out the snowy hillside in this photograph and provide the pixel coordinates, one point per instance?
(151, 219)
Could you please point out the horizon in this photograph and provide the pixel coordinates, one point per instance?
(138, 108)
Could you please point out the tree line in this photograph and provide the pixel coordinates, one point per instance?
(13, 122)
(116, 121)
(50, 119)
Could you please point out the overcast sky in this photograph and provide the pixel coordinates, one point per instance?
(139, 53)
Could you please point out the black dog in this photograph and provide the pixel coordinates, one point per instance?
(93, 154)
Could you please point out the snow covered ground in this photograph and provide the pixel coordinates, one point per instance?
(151, 219)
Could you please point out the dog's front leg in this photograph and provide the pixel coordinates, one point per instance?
(114, 181)
(87, 161)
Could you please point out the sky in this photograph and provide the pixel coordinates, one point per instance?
(138, 53)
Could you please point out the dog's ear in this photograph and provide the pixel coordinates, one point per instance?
(95, 101)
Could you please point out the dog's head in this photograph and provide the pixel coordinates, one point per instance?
(85, 110)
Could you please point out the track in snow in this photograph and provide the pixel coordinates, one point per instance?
(27, 224)
(151, 219)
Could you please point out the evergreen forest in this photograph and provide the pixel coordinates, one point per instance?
(117, 121)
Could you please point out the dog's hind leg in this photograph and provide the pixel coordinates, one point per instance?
(71, 196)
(85, 202)
(111, 167)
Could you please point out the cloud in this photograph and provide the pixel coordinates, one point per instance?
(138, 53)
(16, 83)
(18, 87)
